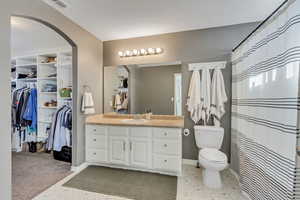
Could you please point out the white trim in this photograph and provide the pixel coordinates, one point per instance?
(189, 162)
(79, 168)
(207, 65)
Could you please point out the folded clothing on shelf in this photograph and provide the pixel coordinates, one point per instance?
(52, 103)
(49, 87)
(52, 75)
(31, 74)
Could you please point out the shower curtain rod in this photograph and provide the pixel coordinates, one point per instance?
(260, 25)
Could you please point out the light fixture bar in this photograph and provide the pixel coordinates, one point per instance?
(140, 52)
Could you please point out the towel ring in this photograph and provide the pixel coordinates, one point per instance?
(87, 88)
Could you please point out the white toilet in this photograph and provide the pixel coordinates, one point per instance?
(209, 140)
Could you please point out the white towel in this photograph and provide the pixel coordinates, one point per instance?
(118, 102)
(87, 106)
(219, 97)
(193, 101)
(205, 95)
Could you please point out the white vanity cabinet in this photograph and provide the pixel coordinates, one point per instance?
(132, 147)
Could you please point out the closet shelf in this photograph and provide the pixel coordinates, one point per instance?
(47, 78)
(50, 63)
(32, 65)
(45, 122)
(66, 65)
(48, 93)
(26, 79)
(45, 107)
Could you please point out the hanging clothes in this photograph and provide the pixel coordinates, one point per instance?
(60, 133)
(24, 115)
(194, 105)
(219, 97)
(30, 113)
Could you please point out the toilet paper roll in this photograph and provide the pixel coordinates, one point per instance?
(186, 132)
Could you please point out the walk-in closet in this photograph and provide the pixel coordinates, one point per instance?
(41, 106)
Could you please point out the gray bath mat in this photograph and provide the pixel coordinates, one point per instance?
(125, 183)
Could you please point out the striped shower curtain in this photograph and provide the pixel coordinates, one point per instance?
(265, 105)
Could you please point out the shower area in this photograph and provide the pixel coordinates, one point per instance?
(265, 107)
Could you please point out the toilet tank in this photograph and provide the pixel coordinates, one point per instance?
(209, 136)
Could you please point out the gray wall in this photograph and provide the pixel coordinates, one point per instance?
(206, 45)
(88, 71)
(156, 88)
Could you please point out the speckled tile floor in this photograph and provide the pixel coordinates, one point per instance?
(190, 187)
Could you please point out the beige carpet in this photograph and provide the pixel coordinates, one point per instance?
(32, 173)
(125, 183)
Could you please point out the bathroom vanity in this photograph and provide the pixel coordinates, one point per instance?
(121, 141)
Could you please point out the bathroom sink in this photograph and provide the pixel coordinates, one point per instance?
(134, 121)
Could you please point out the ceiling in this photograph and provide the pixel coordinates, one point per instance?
(28, 36)
(115, 19)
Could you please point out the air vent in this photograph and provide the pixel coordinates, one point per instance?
(60, 3)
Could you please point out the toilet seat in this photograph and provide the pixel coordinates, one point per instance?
(213, 155)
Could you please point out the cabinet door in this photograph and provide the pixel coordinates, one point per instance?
(139, 149)
(118, 150)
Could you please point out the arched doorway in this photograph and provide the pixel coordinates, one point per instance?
(73, 75)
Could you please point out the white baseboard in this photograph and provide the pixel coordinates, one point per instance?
(79, 168)
(189, 162)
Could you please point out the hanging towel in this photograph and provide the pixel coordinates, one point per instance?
(87, 106)
(219, 97)
(118, 102)
(193, 101)
(205, 95)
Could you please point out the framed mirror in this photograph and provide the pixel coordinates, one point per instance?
(137, 89)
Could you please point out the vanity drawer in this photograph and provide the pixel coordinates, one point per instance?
(96, 141)
(166, 133)
(166, 163)
(95, 129)
(96, 155)
(170, 147)
(140, 132)
(118, 131)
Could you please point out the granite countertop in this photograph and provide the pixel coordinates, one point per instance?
(169, 121)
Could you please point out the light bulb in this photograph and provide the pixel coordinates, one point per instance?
(158, 50)
(135, 52)
(143, 52)
(128, 53)
(121, 54)
(151, 51)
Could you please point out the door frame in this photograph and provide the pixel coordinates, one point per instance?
(176, 75)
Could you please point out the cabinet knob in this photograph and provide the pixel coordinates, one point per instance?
(95, 153)
(166, 160)
(95, 130)
(165, 145)
(95, 140)
(166, 134)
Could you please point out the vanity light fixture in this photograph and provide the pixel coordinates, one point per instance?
(135, 52)
(140, 52)
(158, 50)
(143, 52)
(121, 54)
(151, 51)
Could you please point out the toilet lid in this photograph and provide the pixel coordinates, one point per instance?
(213, 155)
